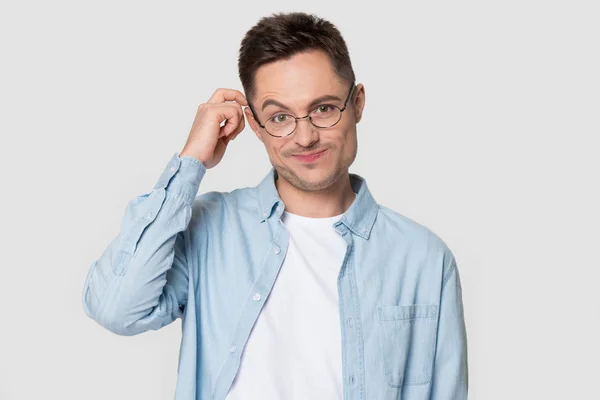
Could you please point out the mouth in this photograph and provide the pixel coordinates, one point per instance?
(310, 157)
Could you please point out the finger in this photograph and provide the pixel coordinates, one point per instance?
(220, 147)
(238, 129)
(222, 95)
(229, 128)
(226, 140)
(233, 116)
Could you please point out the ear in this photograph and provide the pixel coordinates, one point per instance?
(253, 124)
(359, 101)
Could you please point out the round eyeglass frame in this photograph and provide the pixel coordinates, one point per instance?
(352, 87)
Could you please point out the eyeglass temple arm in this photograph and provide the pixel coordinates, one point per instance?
(255, 116)
(352, 87)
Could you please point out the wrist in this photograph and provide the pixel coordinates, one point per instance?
(197, 157)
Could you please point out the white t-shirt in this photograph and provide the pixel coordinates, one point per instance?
(294, 350)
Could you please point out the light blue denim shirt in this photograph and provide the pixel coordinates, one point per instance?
(204, 258)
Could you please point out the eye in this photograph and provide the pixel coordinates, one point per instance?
(279, 118)
(324, 109)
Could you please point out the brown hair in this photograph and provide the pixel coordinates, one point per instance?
(282, 35)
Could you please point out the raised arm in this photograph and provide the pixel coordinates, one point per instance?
(140, 282)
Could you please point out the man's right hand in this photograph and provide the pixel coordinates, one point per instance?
(208, 140)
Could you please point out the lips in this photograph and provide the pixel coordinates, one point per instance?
(310, 157)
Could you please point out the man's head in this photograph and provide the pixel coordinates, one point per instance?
(293, 65)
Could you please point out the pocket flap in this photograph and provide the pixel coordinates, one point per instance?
(391, 313)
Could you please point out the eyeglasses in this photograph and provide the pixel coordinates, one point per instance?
(282, 125)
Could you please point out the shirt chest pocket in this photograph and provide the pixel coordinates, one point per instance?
(407, 338)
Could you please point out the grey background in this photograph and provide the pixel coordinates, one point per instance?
(481, 122)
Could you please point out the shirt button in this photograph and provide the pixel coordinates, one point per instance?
(172, 169)
(363, 231)
(232, 349)
(276, 250)
(350, 323)
(256, 297)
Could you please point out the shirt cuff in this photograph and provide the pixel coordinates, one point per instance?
(182, 175)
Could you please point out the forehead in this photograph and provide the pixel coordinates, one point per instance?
(298, 80)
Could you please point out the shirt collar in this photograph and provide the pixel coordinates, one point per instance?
(359, 217)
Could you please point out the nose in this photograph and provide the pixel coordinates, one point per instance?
(306, 133)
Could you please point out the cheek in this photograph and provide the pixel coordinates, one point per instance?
(275, 150)
(347, 140)
(349, 144)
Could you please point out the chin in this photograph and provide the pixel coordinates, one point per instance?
(309, 180)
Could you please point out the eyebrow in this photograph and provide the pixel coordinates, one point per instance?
(312, 104)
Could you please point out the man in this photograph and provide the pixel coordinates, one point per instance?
(302, 287)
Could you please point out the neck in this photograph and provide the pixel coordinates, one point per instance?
(329, 202)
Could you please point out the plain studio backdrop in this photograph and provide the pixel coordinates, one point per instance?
(481, 122)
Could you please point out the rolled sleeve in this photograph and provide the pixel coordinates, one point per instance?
(182, 175)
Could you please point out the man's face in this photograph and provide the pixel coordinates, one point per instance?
(296, 83)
